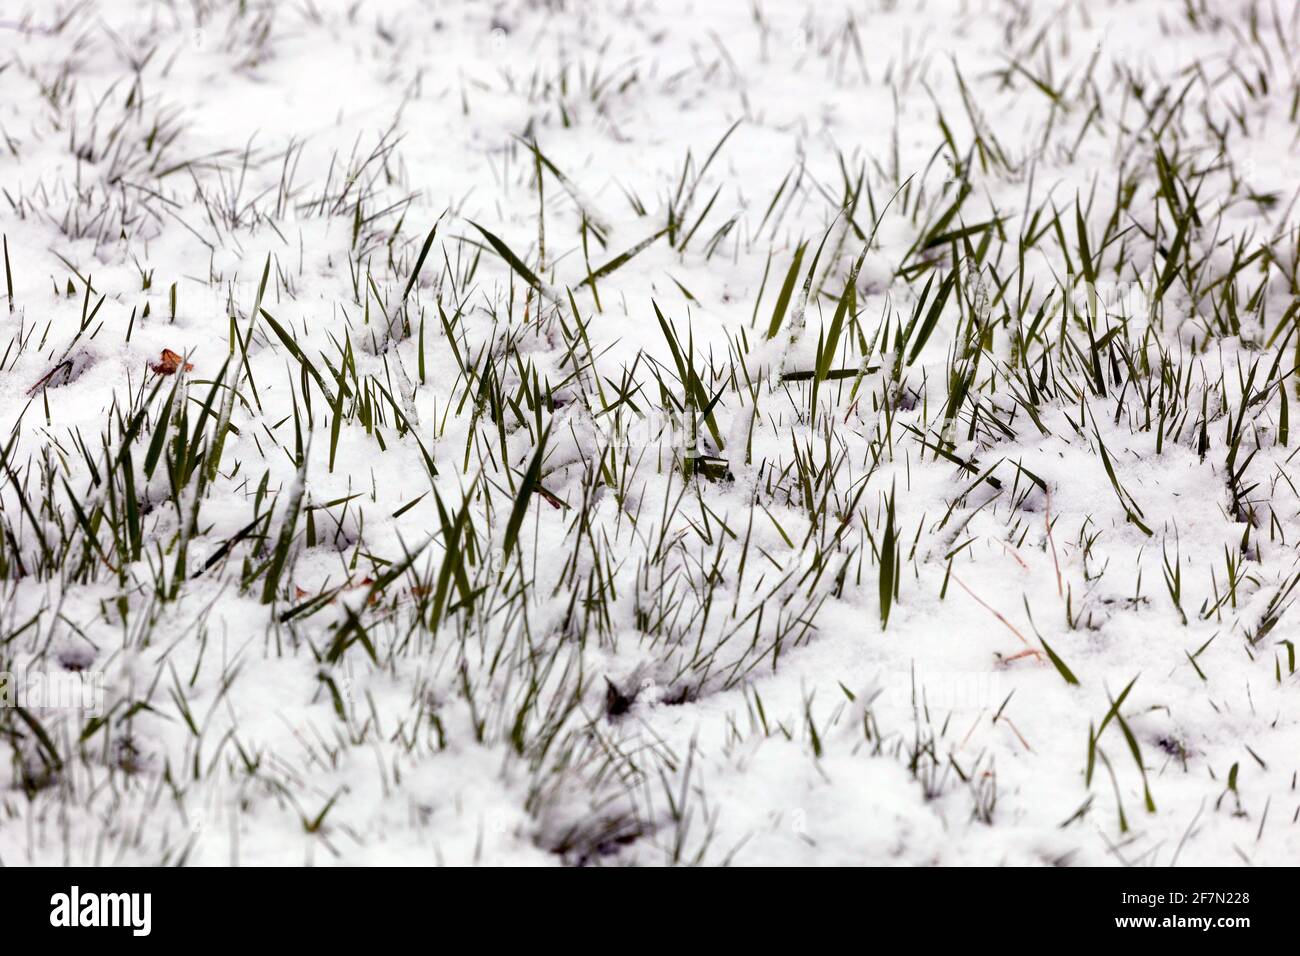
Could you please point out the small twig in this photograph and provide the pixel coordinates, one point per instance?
(1007, 721)
(1015, 554)
(1047, 521)
(1011, 627)
(65, 364)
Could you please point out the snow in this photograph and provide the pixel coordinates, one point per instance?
(732, 696)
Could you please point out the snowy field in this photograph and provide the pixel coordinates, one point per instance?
(649, 432)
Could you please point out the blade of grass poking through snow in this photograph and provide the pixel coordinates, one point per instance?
(1085, 254)
(297, 353)
(159, 437)
(49, 752)
(527, 486)
(289, 518)
(1059, 664)
(9, 276)
(787, 291)
(453, 560)
(677, 213)
(622, 259)
(799, 318)
(187, 468)
(1094, 737)
(136, 422)
(584, 204)
(517, 264)
(922, 334)
(696, 396)
(847, 307)
(1137, 758)
(778, 373)
(827, 348)
(890, 563)
(336, 423)
(1131, 509)
(234, 371)
(419, 262)
(397, 570)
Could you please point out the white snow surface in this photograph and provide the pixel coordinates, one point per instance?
(665, 668)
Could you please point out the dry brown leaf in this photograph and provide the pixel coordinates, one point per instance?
(170, 363)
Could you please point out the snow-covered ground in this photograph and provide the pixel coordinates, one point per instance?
(649, 431)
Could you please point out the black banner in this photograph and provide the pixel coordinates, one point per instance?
(337, 907)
